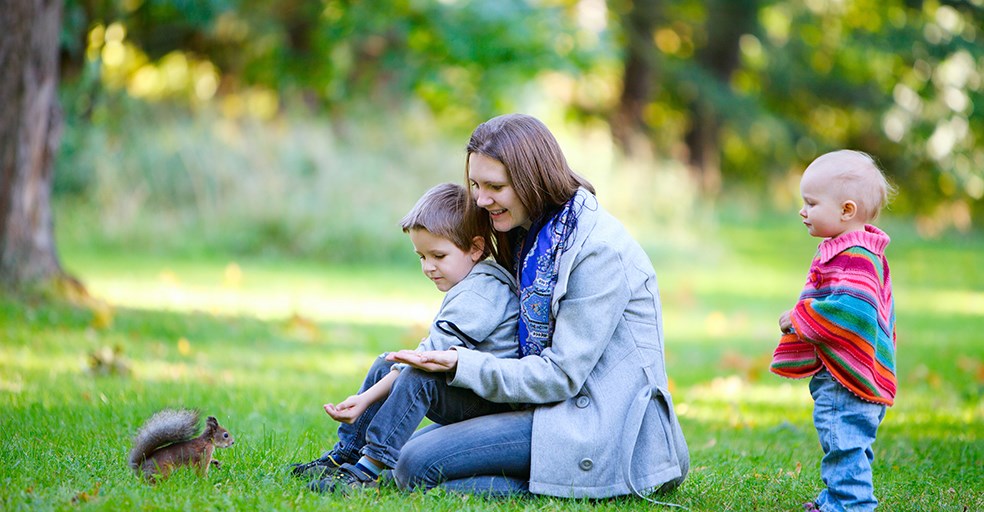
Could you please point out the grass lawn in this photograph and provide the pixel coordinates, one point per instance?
(262, 344)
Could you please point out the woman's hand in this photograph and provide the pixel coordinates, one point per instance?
(430, 361)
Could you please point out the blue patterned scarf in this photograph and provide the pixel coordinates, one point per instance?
(539, 257)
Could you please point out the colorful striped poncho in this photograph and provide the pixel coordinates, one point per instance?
(845, 318)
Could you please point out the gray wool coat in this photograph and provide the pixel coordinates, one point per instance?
(604, 423)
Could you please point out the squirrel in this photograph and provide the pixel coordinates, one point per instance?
(166, 441)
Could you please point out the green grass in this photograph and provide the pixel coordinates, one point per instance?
(262, 343)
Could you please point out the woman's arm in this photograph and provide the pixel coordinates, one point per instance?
(594, 303)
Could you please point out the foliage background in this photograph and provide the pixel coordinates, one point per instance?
(211, 111)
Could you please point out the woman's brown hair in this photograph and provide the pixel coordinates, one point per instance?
(535, 165)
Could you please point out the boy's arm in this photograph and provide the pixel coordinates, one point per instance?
(381, 388)
(349, 410)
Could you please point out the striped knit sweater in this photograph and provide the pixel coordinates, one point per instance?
(845, 318)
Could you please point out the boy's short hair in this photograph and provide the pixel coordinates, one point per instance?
(860, 179)
(442, 212)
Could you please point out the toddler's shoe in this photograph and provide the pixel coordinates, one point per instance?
(318, 468)
(347, 477)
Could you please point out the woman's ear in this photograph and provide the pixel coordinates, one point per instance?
(478, 248)
(848, 210)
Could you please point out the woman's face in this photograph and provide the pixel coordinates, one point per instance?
(492, 190)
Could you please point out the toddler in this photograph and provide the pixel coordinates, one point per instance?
(842, 330)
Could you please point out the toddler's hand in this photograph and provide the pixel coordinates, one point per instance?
(786, 322)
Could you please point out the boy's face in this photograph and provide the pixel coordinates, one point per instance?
(441, 260)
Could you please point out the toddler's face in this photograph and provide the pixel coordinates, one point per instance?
(822, 204)
(442, 261)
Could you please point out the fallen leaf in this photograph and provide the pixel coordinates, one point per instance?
(86, 496)
(184, 346)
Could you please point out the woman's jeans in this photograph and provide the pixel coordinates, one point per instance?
(846, 426)
(381, 432)
(489, 455)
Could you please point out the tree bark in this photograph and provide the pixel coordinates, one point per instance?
(629, 127)
(30, 127)
(727, 21)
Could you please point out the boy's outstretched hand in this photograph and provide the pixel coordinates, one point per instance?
(348, 410)
(430, 361)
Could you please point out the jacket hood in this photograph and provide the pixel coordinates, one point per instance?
(491, 268)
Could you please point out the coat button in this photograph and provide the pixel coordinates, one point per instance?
(582, 402)
(586, 464)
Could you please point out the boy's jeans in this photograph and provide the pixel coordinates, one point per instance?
(846, 426)
(384, 428)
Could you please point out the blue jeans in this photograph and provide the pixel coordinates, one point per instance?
(847, 427)
(384, 428)
(488, 455)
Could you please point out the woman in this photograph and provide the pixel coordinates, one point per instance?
(597, 419)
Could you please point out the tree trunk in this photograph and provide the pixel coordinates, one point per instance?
(629, 127)
(703, 146)
(727, 21)
(30, 126)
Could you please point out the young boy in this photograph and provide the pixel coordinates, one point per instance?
(480, 311)
(842, 330)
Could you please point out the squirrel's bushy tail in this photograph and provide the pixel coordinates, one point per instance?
(166, 427)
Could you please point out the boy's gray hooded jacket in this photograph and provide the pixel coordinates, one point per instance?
(481, 312)
(606, 424)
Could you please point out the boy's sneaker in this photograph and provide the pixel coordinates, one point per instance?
(318, 468)
(346, 478)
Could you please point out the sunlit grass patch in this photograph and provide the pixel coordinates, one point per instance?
(264, 289)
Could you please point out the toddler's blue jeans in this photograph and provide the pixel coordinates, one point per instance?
(847, 427)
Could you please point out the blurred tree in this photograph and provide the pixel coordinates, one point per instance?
(752, 91)
(745, 92)
(717, 58)
(30, 124)
(463, 59)
(639, 73)
(898, 79)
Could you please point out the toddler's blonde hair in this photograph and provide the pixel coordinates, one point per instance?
(857, 178)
